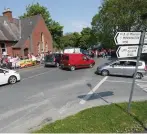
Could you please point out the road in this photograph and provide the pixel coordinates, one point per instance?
(48, 94)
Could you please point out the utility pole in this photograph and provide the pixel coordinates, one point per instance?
(134, 77)
(143, 17)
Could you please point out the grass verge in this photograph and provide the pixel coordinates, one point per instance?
(103, 119)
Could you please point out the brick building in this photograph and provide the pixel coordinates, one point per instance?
(23, 36)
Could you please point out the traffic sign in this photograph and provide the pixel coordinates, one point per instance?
(125, 38)
(144, 49)
(127, 51)
(145, 38)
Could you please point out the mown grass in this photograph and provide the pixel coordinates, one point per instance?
(103, 119)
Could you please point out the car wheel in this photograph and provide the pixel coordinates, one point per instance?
(72, 68)
(91, 65)
(105, 73)
(12, 80)
(57, 64)
(138, 76)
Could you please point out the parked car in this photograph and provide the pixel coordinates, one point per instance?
(123, 68)
(8, 76)
(74, 61)
(52, 60)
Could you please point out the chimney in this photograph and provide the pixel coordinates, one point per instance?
(7, 13)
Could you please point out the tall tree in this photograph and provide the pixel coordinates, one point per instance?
(118, 15)
(86, 39)
(54, 27)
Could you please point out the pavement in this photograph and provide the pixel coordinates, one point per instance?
(47, 94)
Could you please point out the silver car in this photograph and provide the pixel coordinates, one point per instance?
(122, 68)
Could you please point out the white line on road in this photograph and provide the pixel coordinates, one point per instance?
(37, 75)
(141, 81)
(142, 86)
(114, 81)
(93, 90)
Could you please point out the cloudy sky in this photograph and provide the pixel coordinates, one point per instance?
(72, 14)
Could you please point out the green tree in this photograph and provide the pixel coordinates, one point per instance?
(87, 38)
(54, 27)
(71, 39)
(118, 15)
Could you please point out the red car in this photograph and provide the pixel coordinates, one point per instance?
(74, 61)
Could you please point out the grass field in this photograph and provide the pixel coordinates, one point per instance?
(109, 118)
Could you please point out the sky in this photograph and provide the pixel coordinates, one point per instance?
(74, 15)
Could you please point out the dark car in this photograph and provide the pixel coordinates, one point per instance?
(52, 60)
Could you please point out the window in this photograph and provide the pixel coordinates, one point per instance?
(119, 63)
(130, 63)
(3, 48)
(84, 58)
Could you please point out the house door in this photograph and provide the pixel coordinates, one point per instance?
(26, 52)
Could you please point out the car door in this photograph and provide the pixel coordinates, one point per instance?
(129, 68)
(116, 68)
(3, 77)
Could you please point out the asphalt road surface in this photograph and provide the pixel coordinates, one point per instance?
(48, 94)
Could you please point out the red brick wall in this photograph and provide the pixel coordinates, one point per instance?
(9, 48)
(16, 51)
(36, 36)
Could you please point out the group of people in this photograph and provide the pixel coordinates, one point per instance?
(100, 53)
(10, 62)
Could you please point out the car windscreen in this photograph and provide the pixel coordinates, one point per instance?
(49, 58)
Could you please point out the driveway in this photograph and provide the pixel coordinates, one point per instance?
(47, 94)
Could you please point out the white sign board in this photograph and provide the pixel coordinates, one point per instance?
(144, 49)
(127, 51)
(125, 38)
(145, 38)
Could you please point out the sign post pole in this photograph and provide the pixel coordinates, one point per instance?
(134, 77)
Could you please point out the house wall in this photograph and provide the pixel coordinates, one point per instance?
(16, 52)
(40, 29)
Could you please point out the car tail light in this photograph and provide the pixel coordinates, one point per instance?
(145, 68)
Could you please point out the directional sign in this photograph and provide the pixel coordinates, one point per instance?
(125, 38)
(144, 49)
(145, 38)
(127, 51)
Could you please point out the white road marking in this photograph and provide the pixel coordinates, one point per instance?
(37, 75)
(141, 85)
(114, 81)
(93, 90)
(141, 81)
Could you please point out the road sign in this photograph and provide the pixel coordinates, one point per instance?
(127, 51)
(125, 38)
(144, 49)
(145, 38)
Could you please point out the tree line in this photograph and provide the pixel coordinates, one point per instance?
(112, 16)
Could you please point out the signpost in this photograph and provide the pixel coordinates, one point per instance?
(136, 41)
(126, 38)
(134, 78)
(127, 51)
